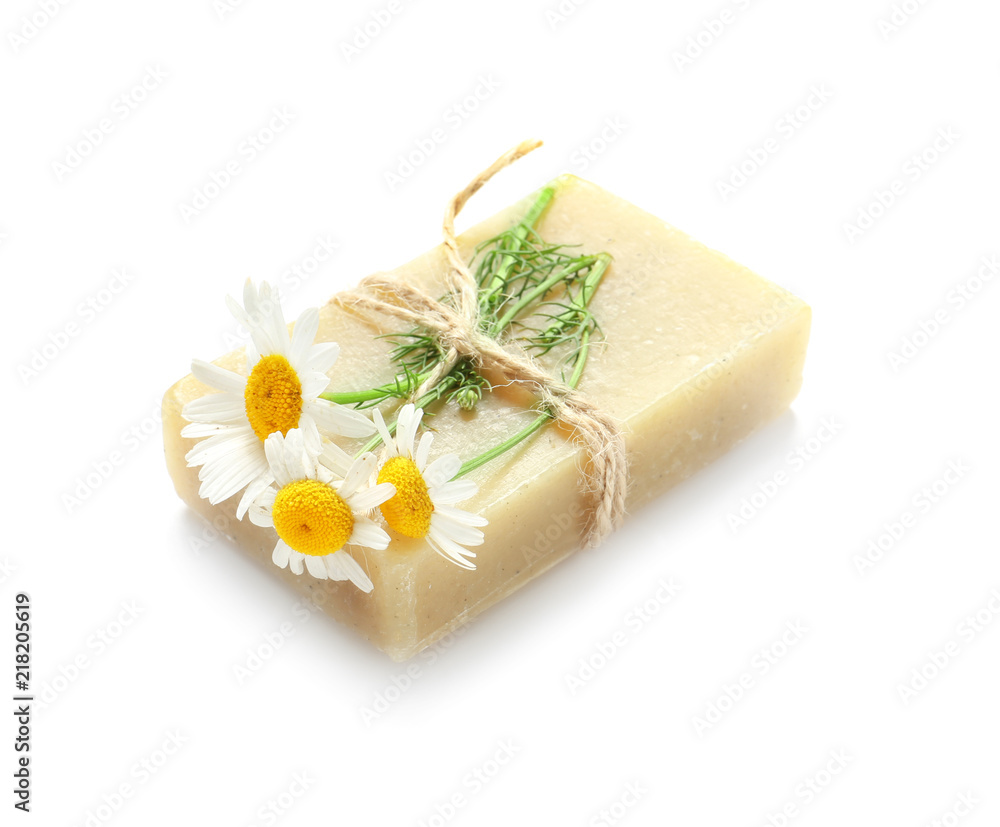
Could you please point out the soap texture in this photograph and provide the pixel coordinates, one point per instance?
(696, 353)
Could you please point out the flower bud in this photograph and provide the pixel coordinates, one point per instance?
(467, 397)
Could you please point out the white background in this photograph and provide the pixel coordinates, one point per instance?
(602, 77)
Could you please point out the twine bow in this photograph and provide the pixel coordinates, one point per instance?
(457, 328)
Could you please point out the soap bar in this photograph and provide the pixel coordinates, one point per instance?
(696, 353)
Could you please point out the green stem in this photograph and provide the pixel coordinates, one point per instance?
(376, 440)
(497, 450)
(392, 389)
(581, 359)
(540, 420)
(537, 292)
(588, 287)
(518, 236)
(593, 278)
(597, 265)
(354, 397)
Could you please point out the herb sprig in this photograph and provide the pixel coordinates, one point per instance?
(532, 293)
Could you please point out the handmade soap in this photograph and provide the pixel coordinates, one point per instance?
(696, 352)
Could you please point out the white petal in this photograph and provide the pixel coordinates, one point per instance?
(254, 490)
(453, 492)
(366, 533)
(336, 459)
(263, 312)
(216, 407)
(465, 535)
(442, 469)
(383, 431)
(223, 445)
(222, 448)
(362, 468)
(252, 355)
(274, 448)
(298, 460)
(341, 566)
(274, 319)
(313, 384)
(238, 312)
(250, 298)
(261, 340)
(459, 515)
(369, 498)
(322, 357)
(252, 308)
(450, 550)
(335, 567)
(260, 516)
(311, 438)
(198, 430)
(303, 335)
(280, 555)
(406, 428)
(295, 561)
(338, 420)
(218, 378)
(222, 481)
(423, 451)
(260, 509)
(316, 567)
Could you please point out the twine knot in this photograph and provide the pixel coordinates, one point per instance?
(458, 328)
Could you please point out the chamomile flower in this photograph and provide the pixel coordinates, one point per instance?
(423, 505)
(316, 513)
(286, 375)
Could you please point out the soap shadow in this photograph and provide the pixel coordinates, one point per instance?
(577, 582)
(235, 570)
(580, 580)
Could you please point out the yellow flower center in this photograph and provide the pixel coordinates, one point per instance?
(312, 518)
(273, 397)
(409, 512)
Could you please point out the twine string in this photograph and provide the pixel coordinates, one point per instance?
(458, 329)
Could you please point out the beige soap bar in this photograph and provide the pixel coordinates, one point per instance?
(698, 352)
